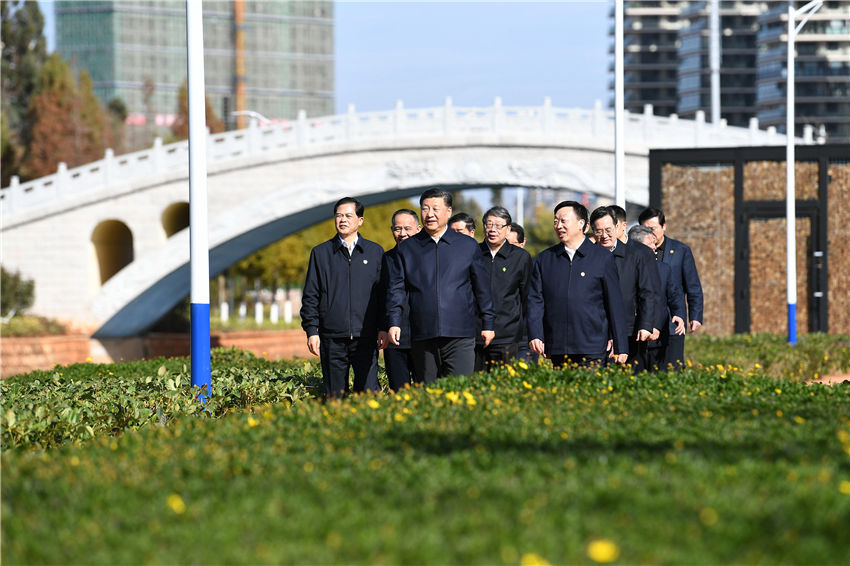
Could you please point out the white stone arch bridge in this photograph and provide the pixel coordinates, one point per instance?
(104, 244)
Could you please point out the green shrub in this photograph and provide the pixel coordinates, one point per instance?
(15, 292)
(31, 326)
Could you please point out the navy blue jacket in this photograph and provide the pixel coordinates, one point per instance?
(680, 258)
(674, 304)
(445, 284)
(342, 294)
(640, 286)
(510, 272)
(576, 306)
(404, 341)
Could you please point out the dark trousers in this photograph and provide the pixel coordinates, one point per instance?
(439, 357)
(656, 358)
(338, 355)
(525, 353)
(582, 360)
(676, 350)
(493, 355)
(399, 365)
(637, 355)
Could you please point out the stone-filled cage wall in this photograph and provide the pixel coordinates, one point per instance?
(728, 205)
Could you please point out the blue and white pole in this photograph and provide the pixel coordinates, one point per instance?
(198, 244)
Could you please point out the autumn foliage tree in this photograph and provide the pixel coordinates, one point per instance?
(180, 128)
(65, 122)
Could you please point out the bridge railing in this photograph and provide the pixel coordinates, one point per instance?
(576, 124)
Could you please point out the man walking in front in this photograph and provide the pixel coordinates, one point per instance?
(509, 268)
(442, 277)
(574, 301)
(684, 272)
(341, 305)
(397, 357)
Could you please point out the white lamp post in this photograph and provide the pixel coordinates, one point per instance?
(790, 162)
(619, 109)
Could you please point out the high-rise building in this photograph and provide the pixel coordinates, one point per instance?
(666, 58)
(135, 50)
(821, 69)
(650, 58)
(738, 50)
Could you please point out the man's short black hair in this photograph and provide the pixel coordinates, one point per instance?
(579, 209)
(358, 206)
(498, 212)
(619, 213)
(602, 212)
(437, 193)
(651, 213)
(465, 218)
(404, 211)
(519, 231)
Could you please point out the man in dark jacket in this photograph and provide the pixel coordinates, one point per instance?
(510, 270)
(574, 300)
(397, 358)
(639, 284)
(440, 274)
(341, 306)
(680, 258)
(674, 311)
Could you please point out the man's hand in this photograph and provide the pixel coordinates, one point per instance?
(488, 336)
(395, 334)
(680, 325)
(621, 358)
(643, 335)
(655, 334)
(695, 324)
(383, 339)
(609, 347)
(313, 344)
(536, 346)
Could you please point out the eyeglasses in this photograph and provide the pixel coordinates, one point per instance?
(494, 226)
(607, 232)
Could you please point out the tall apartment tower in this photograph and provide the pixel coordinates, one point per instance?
(822, 70)
(738, 53)
(274, 58)
(650, 54)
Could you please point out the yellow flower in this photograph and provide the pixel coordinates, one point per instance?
(526, 384)
(373, 403)
(844, 487)
(511, 371)
(252, 422)
(522, 364)
(708, 516)
(176, 503)
(470, 400)
(778, 391)
(434, 391)
(603, 551)
(453, 397)
(532, 559)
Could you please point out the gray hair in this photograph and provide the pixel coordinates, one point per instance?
(639, 233)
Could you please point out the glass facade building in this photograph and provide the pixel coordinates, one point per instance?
(667, 62)
(135, 50)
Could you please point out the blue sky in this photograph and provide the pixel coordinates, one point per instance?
(421, 52)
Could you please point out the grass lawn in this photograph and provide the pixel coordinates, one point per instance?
(712, 465)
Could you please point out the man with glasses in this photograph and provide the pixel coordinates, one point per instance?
(397, 358)
(574, 301)
(341, 307)
(640, 284)
(510, 270)
(442, 277)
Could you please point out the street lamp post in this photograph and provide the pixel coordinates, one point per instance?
(619, 109)
(790, 162)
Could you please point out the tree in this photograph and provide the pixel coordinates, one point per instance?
(64, 122)
(24, 52)
(180, 128)
(15, 292)
(539, 234)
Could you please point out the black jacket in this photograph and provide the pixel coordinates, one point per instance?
(342, 295)
(445, 284)
(640, 286)
(404, 342)
(510, 272)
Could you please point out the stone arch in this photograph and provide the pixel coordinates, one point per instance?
(113, 244)
(175, 218)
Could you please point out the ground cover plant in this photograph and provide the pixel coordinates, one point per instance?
(521, 465)
(79, 402)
